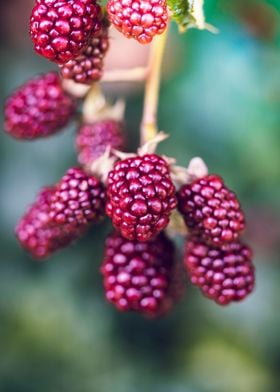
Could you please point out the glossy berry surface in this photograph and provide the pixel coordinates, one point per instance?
(211, 209)
(141, 196)
(88, 66)
(37, 234)
(38, 109)
(223, 274)
(79, 199)
(61, 29)
(138, 275)
(93, 139)
(137, 19)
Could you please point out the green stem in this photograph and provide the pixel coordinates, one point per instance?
(149, 120)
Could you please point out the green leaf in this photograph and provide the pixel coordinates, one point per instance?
(189, 14)
(180, 13)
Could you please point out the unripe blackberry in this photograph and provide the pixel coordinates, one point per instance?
(79, 199)
(61, 29)
(140, 20)
(138, 275)
(223, 274)
(93, 139)
(141, 196)
(39, 108)
(37, 234)
(211, 210)
(88, 66)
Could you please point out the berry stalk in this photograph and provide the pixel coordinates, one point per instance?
(149, 120)
(93, 103)
(137, 74)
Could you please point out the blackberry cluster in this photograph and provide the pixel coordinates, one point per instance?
(137, 191)
(39, 108)
(141, 196)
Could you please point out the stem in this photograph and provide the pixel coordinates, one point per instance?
(137, 74)
(149, 119)
(94, 102)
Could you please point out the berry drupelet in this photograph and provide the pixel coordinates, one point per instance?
(39, 108)
(37, 234)
(141, 196)
(224, 274)
(211, 210)
(93, 139)
(61, 29)
(140, 20)
(88, 66)
(79, 199)
(138, 275)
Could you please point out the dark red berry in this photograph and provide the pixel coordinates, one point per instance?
(38, 109)
(93, 139)
(79, 199)
(37, 234)
(141, 196)
(88, 66)
(211, 209)
(223, 274)
(137, 19)
(61, 29)
(138, 275)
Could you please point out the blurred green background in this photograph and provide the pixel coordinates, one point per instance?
(220, 100)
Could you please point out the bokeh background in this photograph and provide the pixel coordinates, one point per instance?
(220, 100)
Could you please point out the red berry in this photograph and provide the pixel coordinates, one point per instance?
(79, 199)
(211, 210)
(61, 29)
(223, 274)
(137, 19)
(88, 66)
(38, 109)
(141, 196)
(37, 234)
(93, 139)
(138, 275)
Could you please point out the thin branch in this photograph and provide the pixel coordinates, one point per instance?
(137, 74)
(149, 119)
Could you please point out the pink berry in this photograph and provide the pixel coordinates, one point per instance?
(37, 234)
(138, 276)
(61, 29)
(93, 139)
(140, 20)
(79, 199)
(223, 274)
(141, 196)
(39, 108)
(211, 210)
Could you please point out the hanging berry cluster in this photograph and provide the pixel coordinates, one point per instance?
(147, 197)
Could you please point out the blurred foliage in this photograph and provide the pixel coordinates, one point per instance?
(180, 13)
(57, 333)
